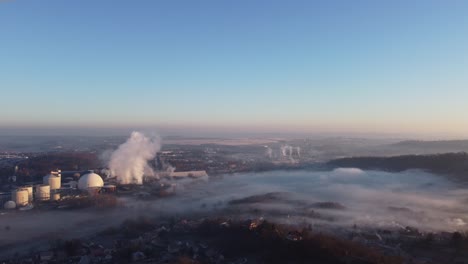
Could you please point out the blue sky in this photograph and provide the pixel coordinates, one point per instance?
(349, 66)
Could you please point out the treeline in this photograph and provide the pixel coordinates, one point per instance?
(35, 167)
(448, 163)
(453, 144)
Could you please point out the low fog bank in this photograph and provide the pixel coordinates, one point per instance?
(341, 198)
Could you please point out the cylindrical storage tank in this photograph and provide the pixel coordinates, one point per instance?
(20, 197)
(55, 182)
(29, 188)
(55, 197)
(43, 192)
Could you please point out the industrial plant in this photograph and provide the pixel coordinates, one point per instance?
(62, 187)
(137, 201)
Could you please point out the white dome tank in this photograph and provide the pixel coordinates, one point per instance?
(9, 205)
(43, 192)
(90, 180)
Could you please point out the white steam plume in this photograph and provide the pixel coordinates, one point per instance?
(269, 152)
(283, 150)
(129, 163)
(287, 152)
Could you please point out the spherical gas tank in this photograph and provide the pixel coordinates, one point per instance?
(9, 205)
(90, 181)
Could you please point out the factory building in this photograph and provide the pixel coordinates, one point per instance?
(52, 189)
(191, 174)
(59, 191)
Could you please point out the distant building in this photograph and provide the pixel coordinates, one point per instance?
(192, 174)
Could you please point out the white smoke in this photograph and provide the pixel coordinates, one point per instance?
(287, 151)
(170, 169)
(269, 152)
(129, 163)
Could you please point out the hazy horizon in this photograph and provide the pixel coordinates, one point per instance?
(213, 132)
(385, 69)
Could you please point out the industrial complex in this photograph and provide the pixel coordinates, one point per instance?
(59, 186)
